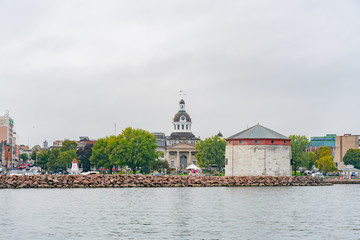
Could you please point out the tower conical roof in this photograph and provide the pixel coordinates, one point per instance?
(258, 132)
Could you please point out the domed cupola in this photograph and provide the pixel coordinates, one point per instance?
(182, 120)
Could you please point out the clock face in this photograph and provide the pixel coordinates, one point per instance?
(183, 118)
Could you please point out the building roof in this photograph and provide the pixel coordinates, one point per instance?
(258, 132)
(182, 101)
(161, 143)
(182, 113)
(182, 136)
(159, 135)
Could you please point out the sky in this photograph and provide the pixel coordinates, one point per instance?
(75, 68)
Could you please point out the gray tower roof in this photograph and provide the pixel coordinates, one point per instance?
(258, 132)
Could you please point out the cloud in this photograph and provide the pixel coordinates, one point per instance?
(75, 68)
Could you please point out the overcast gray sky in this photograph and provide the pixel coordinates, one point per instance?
(74, 68)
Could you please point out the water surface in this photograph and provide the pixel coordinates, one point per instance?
(330, 212)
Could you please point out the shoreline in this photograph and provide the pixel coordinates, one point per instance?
(123, 181)
(342, 181)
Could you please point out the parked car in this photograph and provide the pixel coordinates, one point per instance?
(3, 170)
(15, 172)
(318, 175)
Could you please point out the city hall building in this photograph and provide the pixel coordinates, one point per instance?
(180, 145)
(258, 151)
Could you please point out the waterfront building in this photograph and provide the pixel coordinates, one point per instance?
(6, 129)
(57, 143)
(161, 143)
(25, 149)
(342, 145)
(84, 140)
(6, 139)
(258, 151)
(180, 145)
(325, 141)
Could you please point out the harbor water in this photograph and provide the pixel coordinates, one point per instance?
(328, 212)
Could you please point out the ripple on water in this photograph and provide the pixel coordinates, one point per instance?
(181, 213)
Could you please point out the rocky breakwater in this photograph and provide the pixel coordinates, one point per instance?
(118, 181)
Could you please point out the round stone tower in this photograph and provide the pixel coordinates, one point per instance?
(258, 151)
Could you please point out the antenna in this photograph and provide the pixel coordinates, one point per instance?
(115, 129)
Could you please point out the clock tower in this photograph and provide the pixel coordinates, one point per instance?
(180, 145)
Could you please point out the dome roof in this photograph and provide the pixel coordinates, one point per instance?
(220, 135)
(182, 113)
(182, 101)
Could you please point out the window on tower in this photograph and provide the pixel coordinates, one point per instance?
(182, 126)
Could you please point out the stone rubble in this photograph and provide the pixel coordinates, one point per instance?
(118, 181)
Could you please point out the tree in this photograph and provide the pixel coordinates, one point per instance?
(84, 154)
(34, 154)
(352, 156)
(68, 145)
(319, 153)
(43, 157)
(100, 154)
(24, 157)
(312, 160)
(159, 165)
(65, 158)
(135, 148)
(326, 164)
(323, 159)
(53, 155)
(298, 149)
(211, 151)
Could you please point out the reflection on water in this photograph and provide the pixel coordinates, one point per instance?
(328, 212)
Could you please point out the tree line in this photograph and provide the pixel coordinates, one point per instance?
(133, 148)
(322, 158)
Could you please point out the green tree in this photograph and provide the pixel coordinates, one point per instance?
(100, 154)
(24, 157)
(135, 148)
(34, 154)
(43, 157)
(211, 151)
(298, 149)
(68, 145)
(53, 155)
(160, 165)
(84, 154)
(65, 158)
(326, 164)
(312, 160)
(352, 156)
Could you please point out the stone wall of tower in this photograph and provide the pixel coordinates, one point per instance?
(257, 160)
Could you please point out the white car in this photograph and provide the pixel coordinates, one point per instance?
(318, 175)
(15, 172)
